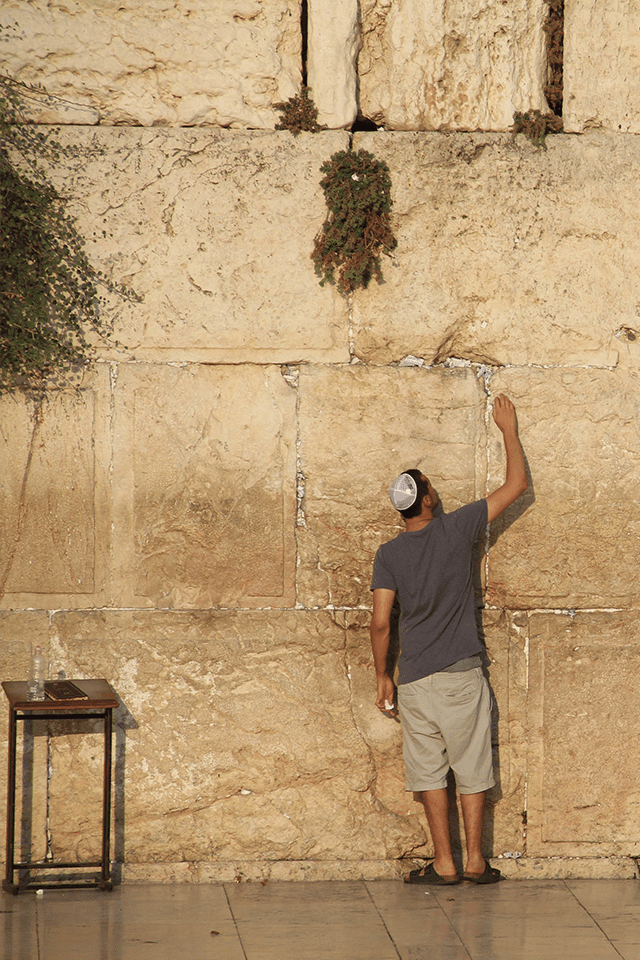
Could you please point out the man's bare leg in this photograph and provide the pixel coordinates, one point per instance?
(436, 807)
(473, 815)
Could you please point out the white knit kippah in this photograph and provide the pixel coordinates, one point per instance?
(403, 492)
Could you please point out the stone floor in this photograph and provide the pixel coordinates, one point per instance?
(381, 920)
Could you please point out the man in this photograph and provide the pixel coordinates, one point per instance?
(443, 696)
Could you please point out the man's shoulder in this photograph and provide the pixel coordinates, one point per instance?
(471, 515)
(389, 544)
(475, 507)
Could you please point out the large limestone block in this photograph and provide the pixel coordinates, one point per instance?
(181, 62)
(54, 495)
(442, 65)
(505, 635)
(235, 740)
(18, 631)
(584, 728)
(507, 254)
(333, 45)
(204, 486)
(359, 428)
(573, 539)
(214, 231)
(601, 80)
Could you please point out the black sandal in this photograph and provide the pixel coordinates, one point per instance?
(488, 875)
(428, 874)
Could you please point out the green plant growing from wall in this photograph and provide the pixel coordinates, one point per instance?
(49, 290)
(357, 230)
(299, 113)
(536, 126)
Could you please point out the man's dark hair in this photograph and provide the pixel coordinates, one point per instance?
(423, 490)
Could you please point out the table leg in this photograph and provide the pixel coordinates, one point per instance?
(105, 881)
(8, 884)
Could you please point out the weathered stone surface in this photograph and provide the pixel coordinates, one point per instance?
(204, 485)
(600, 78)
(438, 65)
(507, 254)
(18, 631)
(214, 231)
(247, 871)
(573, 540)
(333, 44)
(584, 724)
(47, 537)
(360, 427)
(568, 868)
(506, 669)
(181, 62)
(236, 739)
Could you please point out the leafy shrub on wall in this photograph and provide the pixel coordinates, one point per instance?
(347, 250)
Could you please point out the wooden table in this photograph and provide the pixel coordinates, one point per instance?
(99, 706)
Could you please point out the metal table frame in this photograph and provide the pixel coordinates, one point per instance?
(100, 705)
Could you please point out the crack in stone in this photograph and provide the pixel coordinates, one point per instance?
(22, 508)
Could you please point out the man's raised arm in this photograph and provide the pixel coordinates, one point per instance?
(504, 414)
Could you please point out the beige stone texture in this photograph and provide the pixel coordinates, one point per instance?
(179, 62)
(333, 45)
(573, 540)
(204, 486)
(568, 868)
(48, 495)
(505, 636)
(507, 254)
(584, 726)
(18, 631)
(214, 232)
(360, 427)
(196, 518)
(53, 539)
(249, 871)
(439, 65)
(601, 80)
(235, 740)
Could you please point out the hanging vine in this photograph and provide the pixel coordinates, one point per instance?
(50, 293)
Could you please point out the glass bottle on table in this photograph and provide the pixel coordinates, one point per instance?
(37, 674)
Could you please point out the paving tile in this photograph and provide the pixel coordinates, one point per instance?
(376, 920)
(134, 923)
(18, 928)
(309, 921)
(527, 920)
(615, 906)
(416, 922)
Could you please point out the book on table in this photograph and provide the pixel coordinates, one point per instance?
(63, 690)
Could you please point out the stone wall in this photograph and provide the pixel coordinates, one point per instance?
(195, 518)
(404, 64)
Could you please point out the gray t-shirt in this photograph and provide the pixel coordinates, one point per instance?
(431, 573)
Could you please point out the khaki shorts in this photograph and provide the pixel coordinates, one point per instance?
(446, 723)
